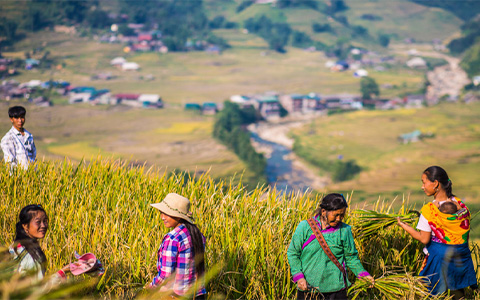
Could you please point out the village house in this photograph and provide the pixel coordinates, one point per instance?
(302, 104)
(414, 101)
(80, 94)
(342, 101)
(476, 80)
(130, 66)
(150, 100)
(31, 84)
(195, 107)
(118, 61)
(102, 96)
(384, 104)
(31, 62)
(242, 101)
(79, 98)
(417, 63)
(128, 99)
(410, 137)
(209, 108)
(268, 106)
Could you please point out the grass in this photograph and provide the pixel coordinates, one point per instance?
(403, 19)
(104, 207)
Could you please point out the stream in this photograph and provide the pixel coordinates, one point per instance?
(283, 170)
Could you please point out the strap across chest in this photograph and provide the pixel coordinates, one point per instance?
(321, 240)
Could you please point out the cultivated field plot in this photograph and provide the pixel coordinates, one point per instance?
(390, 168)
(169, 138)
(248, 68)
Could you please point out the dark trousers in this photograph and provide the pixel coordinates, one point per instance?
(340, 295)
(457, 294)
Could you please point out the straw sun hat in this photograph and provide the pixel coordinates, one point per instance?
(175, 205)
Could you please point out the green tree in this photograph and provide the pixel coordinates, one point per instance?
(8, 29)
(336, 6)
(384, 40)
(243, 5)
(343, 171)
(275, 34)
(297, 3)
(125, 30)
(228, 129)
(359, 31)
(471, 60)
(369, 87)
(98, 19)
(301, 39)
(317, 27)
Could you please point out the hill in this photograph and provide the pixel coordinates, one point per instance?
(397, 19)
(390, 168)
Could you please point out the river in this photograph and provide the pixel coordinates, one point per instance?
(284, 170)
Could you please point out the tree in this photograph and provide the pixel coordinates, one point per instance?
(359, 31)
(368, 87)
(317, 27)
(8, 29)
(336, 6)
(279, 37)
(217, 22)
(275, 34)
(384, 40)
(244, 5)
(301, 40)
(297, 3)
(98, 19)
(125, 30)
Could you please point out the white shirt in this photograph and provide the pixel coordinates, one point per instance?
(18, 149)
(27, 264)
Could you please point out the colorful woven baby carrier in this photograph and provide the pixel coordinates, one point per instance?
(452, 229)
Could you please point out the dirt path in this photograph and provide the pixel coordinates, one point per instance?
(445, 80)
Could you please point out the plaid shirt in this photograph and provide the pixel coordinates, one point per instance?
(175, 259)
(18, 149)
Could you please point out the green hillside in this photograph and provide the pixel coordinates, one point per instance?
(392, 169)
(399, 19)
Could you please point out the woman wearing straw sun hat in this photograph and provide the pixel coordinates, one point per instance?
(182, 252)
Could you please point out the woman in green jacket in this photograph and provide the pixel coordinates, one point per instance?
(316, 275)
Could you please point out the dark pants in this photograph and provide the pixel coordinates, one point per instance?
(458, 294)
(340, 295)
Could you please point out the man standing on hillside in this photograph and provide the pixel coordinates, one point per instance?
(17, 145)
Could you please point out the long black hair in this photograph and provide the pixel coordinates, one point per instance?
(198, 246)
(31, 245)
(331, 202)
(437, 173)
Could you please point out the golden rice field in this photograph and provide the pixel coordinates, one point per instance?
(104, 207)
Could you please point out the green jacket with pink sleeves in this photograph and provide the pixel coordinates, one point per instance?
(308, 260)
